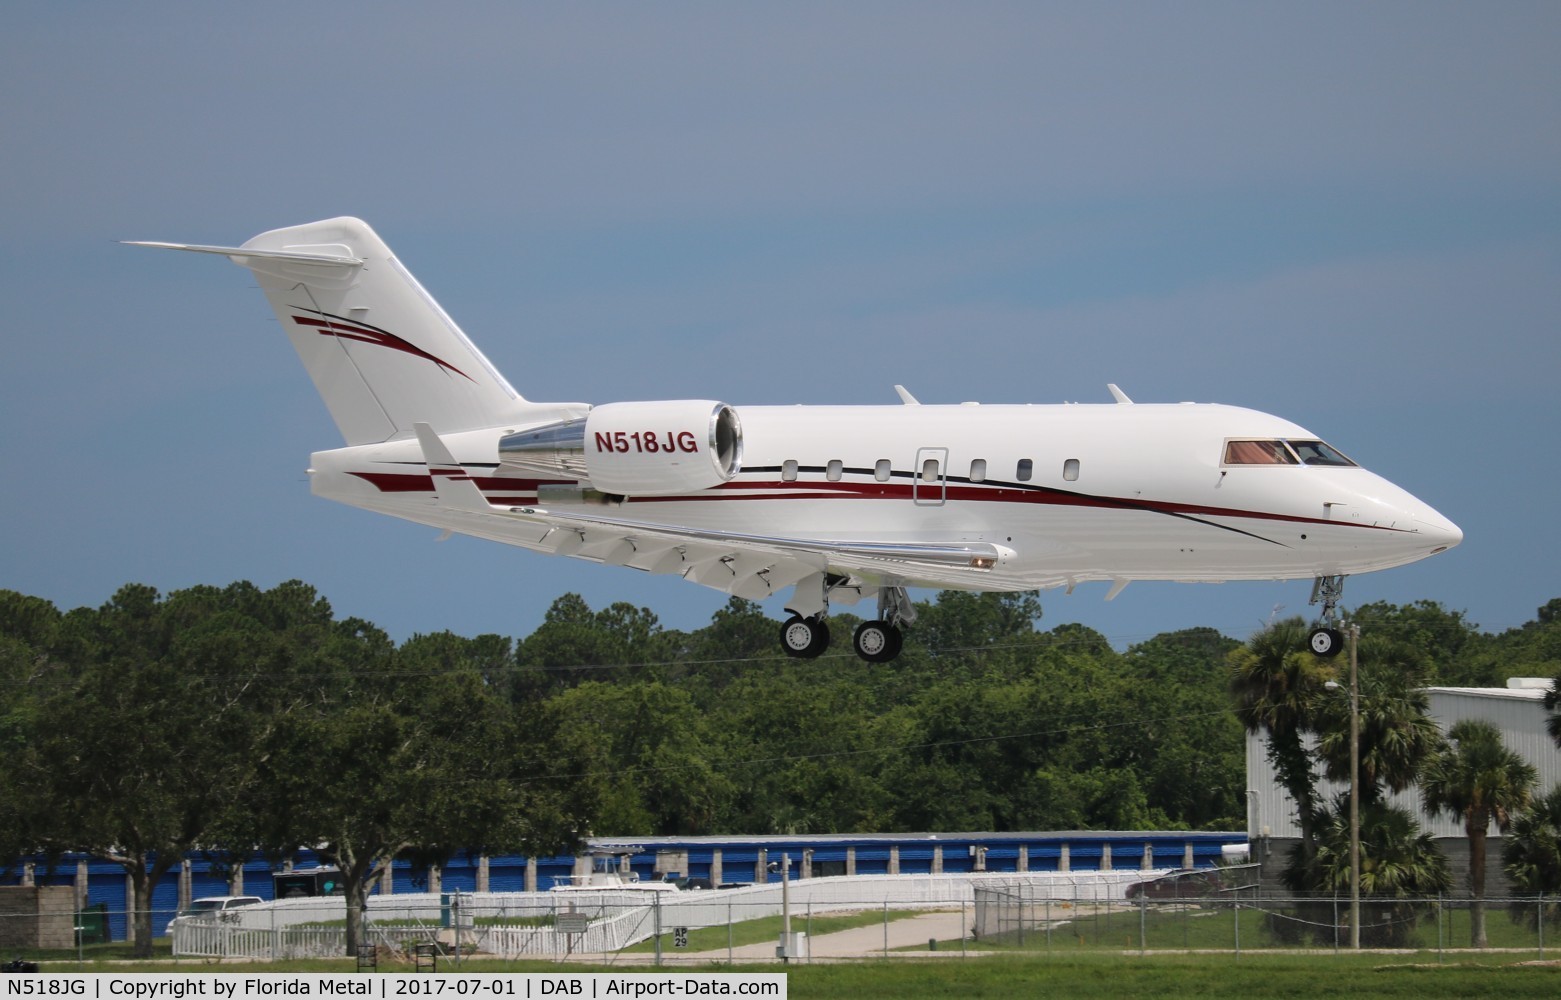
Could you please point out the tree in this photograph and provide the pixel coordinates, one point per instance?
(1443, 644)
(1531, 853)
(575, 644)
(1194, 758)
(960, 621)
(27, 629)
(651, 750)
(1277, 687)
(138, 738)
(1476, 779)
(1397, 733)
(390, 751)
(1400, 864)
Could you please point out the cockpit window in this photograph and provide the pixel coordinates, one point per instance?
(1317, 453)
(1276, 452)
(1258, 453)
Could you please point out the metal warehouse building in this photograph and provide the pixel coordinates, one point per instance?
(1517, 711)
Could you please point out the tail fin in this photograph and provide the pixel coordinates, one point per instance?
(382, 354)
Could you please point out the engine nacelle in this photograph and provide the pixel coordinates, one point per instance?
(635, 449)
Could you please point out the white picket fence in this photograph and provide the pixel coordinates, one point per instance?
(617, 918)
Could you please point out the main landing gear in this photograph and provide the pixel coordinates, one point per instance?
(1325, 639)
(876, 641)
(804, 638)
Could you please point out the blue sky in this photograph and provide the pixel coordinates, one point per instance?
(1345, 214)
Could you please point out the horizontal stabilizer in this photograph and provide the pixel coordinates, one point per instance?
(344, 259)
(380, 350)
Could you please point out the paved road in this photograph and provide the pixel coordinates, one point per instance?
(860, 942)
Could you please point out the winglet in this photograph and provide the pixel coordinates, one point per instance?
(1118, 394)
(906, 397)
(452, 483)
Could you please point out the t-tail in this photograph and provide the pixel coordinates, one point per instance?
(382, 353)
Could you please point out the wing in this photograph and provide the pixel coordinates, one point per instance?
(745, 565)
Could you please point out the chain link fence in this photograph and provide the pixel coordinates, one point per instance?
(825, 919)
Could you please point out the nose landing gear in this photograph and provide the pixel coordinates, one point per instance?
(1325, 639)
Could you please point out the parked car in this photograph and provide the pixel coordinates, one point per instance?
(1187, 883)
(212, 907)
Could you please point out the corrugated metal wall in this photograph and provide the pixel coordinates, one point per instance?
(1519, 715)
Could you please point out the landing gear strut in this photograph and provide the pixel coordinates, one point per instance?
(1325, 639)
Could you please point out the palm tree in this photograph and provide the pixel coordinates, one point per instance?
(1552, 704)
(1400, 863)
(1474, 777)
(1277, 687)
(1397, 733)
(1531, 855)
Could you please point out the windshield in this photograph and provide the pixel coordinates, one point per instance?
(1273, 451)
(1317, 453)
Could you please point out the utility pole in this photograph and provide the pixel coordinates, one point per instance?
(786, 909)
(1354, 787)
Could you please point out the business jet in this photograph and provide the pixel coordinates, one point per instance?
(833, 504)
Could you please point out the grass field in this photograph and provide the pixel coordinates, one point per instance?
(768, 929)
(1174, 928)
(1094, 954)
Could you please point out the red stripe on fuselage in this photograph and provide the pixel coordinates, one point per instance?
(387, 482)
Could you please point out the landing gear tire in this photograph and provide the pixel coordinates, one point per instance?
(804, 638)
(1325, 642)
(877, 641)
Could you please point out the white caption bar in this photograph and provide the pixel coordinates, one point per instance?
(393, 986)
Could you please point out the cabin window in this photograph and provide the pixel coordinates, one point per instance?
(833, 471)
(881, 470)
(1317, 453)
(978, 470)
(1070, 470)
(929, 471)
(1258, 453)
(1026, 470)
(789, 470)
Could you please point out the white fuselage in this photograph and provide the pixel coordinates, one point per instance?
(1069, 493)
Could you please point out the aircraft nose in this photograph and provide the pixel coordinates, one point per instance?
(1438, 531)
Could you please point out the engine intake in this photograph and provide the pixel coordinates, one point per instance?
(635, 449)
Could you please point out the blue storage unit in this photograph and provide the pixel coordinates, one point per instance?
(916, 857)
(507, 874)
(872, 859)
(1045, 856)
